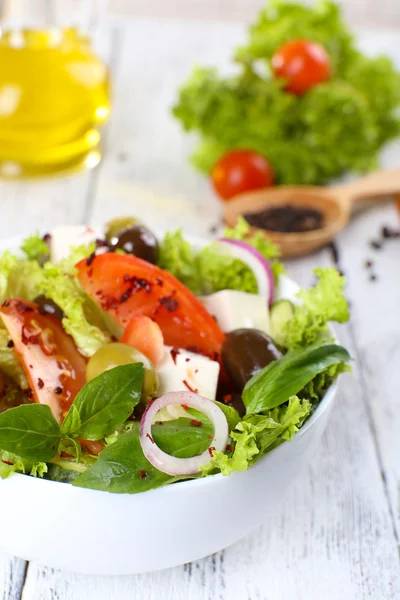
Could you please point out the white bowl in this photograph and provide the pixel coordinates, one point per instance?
(94, 532)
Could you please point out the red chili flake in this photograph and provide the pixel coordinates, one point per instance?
(6, 462)
(40, 383)
(196, 423)
(174, 353)
(66, 455)
(99, 293)
(142, 474)
(58, 390)
(159, 281)
(210, 437)
(196, 370)
(126, 295)
(6, 303)
(229, 448)
(150, 438)
(185, 406)
(169, 302)
(189, 387)
(90, 272)
(47, 238)
(211, 451)
(227, 398)
(90, 259)
(28, 393)
(31, 366)
(10, 344)
(187, 359)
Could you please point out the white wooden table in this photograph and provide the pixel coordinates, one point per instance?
(336, 534)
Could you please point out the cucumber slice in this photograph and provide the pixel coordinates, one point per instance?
(280, 313)
(63, 470)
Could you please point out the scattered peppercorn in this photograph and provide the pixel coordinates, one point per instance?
(58, 390)
(375, 244)
(10, 344)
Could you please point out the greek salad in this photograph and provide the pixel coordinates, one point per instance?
(129, 362)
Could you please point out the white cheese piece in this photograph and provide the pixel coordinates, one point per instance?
(235, 310)
(62, 238)
(182, 371)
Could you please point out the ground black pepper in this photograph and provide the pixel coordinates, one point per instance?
(287, 219)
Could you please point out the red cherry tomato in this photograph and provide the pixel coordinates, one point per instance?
(126, 287)
(241, 171)
(303, 64)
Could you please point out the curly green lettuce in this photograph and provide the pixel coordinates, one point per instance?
(9, 362)
(61, 285)
(256, 435)
(35, 248)
(208, 270)
(320, 304)
(11, 463)
(335, 127)
(19, 277)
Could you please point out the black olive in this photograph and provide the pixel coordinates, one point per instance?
(137, 240)
(246, 351)
(48, 307)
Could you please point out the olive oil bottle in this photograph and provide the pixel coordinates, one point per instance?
(54, 95)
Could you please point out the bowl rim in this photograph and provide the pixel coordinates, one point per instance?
(11, 244)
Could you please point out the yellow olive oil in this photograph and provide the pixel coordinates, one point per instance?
(54, 94)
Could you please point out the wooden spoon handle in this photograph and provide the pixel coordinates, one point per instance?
(375, 186)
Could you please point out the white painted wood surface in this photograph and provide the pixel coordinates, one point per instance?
(336, 533)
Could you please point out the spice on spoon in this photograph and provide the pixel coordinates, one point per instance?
(287, 219)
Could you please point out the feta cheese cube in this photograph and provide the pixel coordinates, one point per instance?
(62, 238)
(235, 310)
(182, 371)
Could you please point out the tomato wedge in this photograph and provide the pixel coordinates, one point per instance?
(146, 336)
(126, 286)
(53, 366)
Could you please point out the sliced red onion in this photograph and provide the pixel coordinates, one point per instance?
(251, 257)
(182, 466)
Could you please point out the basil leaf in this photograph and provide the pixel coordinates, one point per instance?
(122, 467)
(287, 376)
(104, 403)
(30, 431)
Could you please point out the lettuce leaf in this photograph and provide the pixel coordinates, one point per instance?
(178, 257)
(256, 435)
(320, 304)
(61, 285)
(9, 362)
(11, 463)
(19, 277)
(35, 248)
(208, 271)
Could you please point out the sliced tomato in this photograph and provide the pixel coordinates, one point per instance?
(52, 364)
(125, 287)
(146, 336)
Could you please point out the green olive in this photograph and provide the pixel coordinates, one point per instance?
(115, 354)
(116, 225)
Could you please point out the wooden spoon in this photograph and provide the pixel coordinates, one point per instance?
(334, 203)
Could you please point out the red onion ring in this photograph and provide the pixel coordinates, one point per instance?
(182, 466)
(251, 257)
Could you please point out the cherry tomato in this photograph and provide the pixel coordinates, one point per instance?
(146, 336)
(126, 286)
(51, 362)
(303, 64)
(241, 171)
